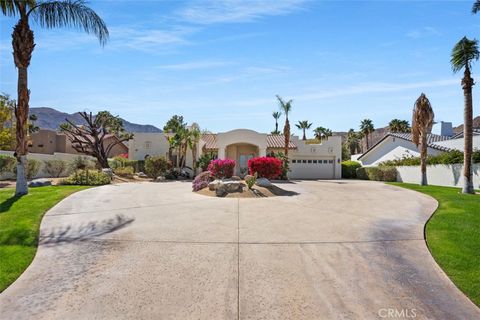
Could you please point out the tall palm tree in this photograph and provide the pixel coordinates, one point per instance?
(476, 7)
(353, 141)
(304, 125)
(422, 122)
(276, 115)
(286, 107)
(464, 52)
(48, 14)
(322, 133)
(366, 128)
(397, 125)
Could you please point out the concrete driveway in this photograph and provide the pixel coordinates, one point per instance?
(337, 250)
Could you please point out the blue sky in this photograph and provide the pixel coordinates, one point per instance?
(221, 63)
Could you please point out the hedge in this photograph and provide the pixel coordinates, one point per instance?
(451, 157)
(265, 167)
(377, 173)
(349, 169)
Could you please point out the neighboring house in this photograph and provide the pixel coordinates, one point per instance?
(399, 145)
(46, 141)
(307, 161)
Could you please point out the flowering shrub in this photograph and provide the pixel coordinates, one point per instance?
(202, 180)
(265, 167)
(221, 169)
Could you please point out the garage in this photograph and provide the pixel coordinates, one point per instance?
(320, 168)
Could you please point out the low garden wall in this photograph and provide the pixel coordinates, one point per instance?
(42, 157)
(448, 175)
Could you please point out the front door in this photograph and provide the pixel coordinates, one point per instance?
(243, 163)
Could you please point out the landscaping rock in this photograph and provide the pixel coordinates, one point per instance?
(39, 183)
(232, 186)
(235, 178)
(221, 191)
(142, 175)
(248, 177)
(160, 179)
(214, 184)
(263, 182)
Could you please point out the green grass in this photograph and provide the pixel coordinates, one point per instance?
(453, 236)
(19, 225)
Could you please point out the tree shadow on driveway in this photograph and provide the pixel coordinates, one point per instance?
(84, 232)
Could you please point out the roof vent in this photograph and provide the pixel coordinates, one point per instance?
(446, 129)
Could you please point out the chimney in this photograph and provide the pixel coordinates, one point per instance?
(446, 129)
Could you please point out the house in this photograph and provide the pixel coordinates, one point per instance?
(394, 146)
(46, 141)
(307, 161)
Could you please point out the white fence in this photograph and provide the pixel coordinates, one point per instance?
(42, 157)
(439, 175)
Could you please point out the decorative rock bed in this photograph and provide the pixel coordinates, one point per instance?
(236, 188)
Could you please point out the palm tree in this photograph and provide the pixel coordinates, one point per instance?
(303, 125)
(476, 7)
(286, 107)
(49, 14)
(322, 133)
(193, 139)
(276, 115)
(422, 122)
(397, 125)
(366, 128)
(464, 52)
(353, 141)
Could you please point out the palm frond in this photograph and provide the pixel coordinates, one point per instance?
(422, 119)
(12, 8)
(464, 52)
(69, 13)
(476, 7)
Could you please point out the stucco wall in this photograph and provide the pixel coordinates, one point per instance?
(138, 145)
(439, 175)
(241, 136)
(392, 148)
(43, 157)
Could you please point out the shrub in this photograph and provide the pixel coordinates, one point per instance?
(33, 167)
(7, 163)
(81, 163)
(87, 178)
(202, 180)
(251, 180)
(377, 173)
(55, 168)
(222, 169)
(349, 169)
(265, 167)
(476, 156)
(205, 160)
(126, 172)
(285, 165)
(156, 166)
(450, 157)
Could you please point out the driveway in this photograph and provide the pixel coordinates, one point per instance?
(336, 250)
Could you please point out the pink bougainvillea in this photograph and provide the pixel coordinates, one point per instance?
(265, 167)
(222, 169)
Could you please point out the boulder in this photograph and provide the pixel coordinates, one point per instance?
(142, 175)
(221, 191)
(232, 186)
(39, 183)
(235, 178)
(160, 179)
(214, 184)
(263, 182)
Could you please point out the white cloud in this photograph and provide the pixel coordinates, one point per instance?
(423, 33)
(220, 11)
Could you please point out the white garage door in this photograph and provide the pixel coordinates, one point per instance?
(321, 168)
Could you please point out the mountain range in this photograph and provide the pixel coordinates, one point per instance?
(49, 118)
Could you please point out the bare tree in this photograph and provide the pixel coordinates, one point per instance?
(99, 135)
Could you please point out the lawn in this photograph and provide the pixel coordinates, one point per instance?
(19, 225)
(453, 236)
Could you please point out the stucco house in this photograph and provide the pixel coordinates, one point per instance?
(395, 146)
(307, 161)
(46, 141)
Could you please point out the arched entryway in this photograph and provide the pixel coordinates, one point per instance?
(241, 153)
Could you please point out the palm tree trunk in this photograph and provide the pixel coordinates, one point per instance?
(194, 159)
(423, 158)
(276, 126)
(366, 140)
(23, 45)
(286, 132)
(467, 83)
(304, 136)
